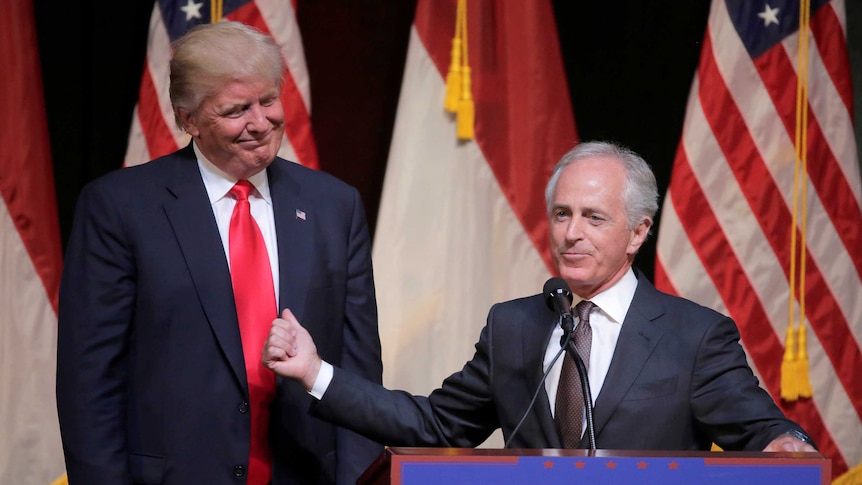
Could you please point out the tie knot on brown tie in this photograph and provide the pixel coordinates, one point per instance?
(241, 190)
(584, 307)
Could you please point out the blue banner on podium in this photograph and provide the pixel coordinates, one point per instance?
(436, 466)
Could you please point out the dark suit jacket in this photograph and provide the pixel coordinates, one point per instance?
(151, 385)
(678, 381)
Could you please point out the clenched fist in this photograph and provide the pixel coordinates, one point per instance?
(290, 351)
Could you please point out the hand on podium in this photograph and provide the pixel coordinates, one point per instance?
(787, 442)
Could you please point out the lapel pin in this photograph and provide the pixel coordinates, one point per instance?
(300, 215)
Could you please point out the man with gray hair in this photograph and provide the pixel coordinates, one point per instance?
(174, 272)
(664, 372)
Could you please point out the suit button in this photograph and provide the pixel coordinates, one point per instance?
(243, 407)
(239, 471)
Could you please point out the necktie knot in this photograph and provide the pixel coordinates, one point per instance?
(241, 190)
(584, 307)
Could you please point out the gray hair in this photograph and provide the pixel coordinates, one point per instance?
(210, 55)
(640, 194)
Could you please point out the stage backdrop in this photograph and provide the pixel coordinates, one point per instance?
(630, 66)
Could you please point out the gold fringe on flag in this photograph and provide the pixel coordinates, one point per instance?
(795, 381)
(459, 96)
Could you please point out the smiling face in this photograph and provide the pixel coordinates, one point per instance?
(239, 128)
(591, 246)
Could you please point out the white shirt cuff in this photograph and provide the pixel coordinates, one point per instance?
(324, 377)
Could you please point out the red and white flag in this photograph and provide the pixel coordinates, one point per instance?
(462, 223)
(30, 262)
(726, 235)
(154, 132)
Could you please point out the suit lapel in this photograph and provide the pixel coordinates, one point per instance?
(193, 222)
(535, 336)
(638, 338)
(294, 228)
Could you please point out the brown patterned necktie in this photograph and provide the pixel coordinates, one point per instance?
(569, 407)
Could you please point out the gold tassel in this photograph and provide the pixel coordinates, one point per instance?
(789, 389)
(803, 382)
(453, 78)
(795, 383)
(466, 109)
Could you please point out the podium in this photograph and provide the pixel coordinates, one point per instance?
(454, 466)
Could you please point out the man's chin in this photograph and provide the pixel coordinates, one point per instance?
(576, 273)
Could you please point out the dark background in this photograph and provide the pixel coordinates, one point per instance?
(629, 63)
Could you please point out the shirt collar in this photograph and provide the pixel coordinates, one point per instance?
(218, 183)
(616, 300)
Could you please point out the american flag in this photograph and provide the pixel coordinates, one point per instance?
(154, 132)
(725, 238)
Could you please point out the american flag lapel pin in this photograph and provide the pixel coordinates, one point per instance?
(300, 215)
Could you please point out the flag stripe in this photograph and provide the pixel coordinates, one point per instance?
(26, 174)
(828, 28)
(158, 135)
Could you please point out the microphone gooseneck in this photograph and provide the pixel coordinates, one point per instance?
(533, 400)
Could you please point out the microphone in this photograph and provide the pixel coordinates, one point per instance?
(559, 298)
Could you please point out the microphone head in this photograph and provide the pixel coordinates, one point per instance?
(554, 288)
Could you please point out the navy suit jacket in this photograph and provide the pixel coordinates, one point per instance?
(151, 384)
(678, 380)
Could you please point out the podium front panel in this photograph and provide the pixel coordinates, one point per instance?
(436, 466)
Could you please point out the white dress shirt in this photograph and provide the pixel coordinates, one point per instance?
(606, 321)
(218, 184)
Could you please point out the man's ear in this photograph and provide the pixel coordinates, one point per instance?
(639, 235)
(186, 121)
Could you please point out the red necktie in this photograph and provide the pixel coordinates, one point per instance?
(251, 276)
(569, 408)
